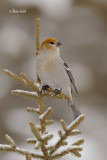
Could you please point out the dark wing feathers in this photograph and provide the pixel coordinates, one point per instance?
(70, 77)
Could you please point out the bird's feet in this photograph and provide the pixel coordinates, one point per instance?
(57, 91)
(45, 88)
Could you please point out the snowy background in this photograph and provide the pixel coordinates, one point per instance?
(82, 28)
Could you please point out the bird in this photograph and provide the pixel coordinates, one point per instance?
(53, 71)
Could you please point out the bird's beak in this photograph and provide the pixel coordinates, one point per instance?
(58, 43)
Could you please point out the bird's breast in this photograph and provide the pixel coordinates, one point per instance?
(46, 63)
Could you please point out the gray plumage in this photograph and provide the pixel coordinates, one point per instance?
(54, 72)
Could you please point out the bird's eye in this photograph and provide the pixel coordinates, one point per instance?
(51, 42)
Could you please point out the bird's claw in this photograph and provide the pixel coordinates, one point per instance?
(57, 91)
(45, 88)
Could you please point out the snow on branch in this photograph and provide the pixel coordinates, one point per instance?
(73, 150)
(33, 110)
(19, 79)
(11, 141)
(29, 81)
(20, 151)
(45, 115)
(24, 93)
(68, 132)
(31, 140)
(42, 138)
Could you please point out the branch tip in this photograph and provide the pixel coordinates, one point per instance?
(63, 124)
(10, 140)
(78, 142)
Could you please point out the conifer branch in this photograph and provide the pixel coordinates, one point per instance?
(33, 110)
(37, 35)
(72, 126)
(11, 141)
(29, 81)
(28, 157)
(35, 131)
(75, 151)
(20, 151)
(42, 110)
(31, 140)
(46, 114)
(14, 76)
(78, 142)
(37, 146)
(60, 133)
(63, 124)
(51, 93)
(75, 132)
(42, 137)
(38, 40)
(49, 122)
(24, 93)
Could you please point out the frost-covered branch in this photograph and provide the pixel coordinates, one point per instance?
(42, 137)
(8, 148)
(67, 132)
(73, 150)
(13, 75)
(24, 93)
(30, 82)
(11, 141)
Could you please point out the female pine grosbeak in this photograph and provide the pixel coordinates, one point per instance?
(54, 72)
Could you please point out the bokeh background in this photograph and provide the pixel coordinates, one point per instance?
(81, 25)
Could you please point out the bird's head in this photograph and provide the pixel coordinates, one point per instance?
(51, 45)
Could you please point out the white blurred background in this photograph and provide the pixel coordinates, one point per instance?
(82, 28)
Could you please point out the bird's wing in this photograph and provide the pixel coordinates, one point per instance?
(70, 76)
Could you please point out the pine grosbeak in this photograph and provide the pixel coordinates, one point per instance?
(54, 72)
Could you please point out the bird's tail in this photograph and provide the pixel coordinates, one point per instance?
(75, 110)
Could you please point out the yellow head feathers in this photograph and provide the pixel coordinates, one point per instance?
(50, 44)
